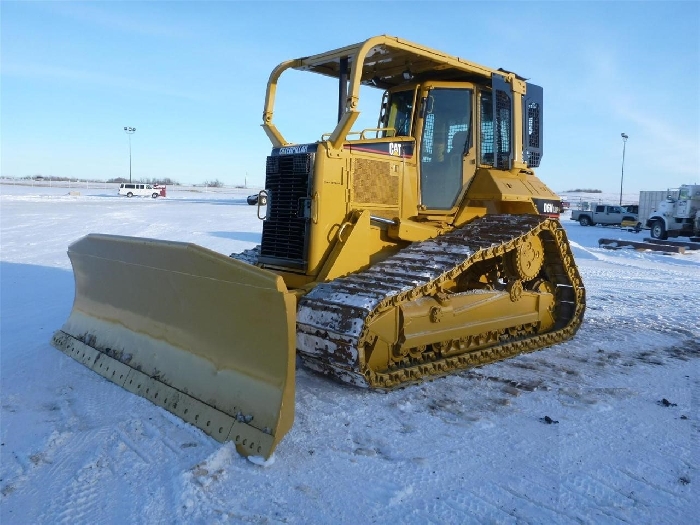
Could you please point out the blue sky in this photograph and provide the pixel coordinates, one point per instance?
(191, 78)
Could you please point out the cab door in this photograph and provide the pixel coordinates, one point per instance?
(447, 153)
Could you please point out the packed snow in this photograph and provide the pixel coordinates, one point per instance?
(601, 429)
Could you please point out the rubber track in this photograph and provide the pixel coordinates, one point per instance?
(332, 319)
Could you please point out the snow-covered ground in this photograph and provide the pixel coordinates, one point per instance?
(470, 448)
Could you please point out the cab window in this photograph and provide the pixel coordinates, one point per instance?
(398, 114)
(446, 138)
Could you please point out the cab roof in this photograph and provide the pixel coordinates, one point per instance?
(388, 61)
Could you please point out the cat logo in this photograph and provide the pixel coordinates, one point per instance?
(395, 149)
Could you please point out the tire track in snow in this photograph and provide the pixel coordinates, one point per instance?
(584, 490)
(79, 496)
(534, 503)
(478, 502)
(623, 495)
(93, 479)
(83, 498)
(426, 478)
(639, 478)
(46, 463)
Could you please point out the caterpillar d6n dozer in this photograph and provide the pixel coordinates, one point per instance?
(403, 252)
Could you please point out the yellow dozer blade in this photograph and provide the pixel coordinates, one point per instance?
(208, 338)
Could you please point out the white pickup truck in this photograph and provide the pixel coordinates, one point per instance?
(603, 214)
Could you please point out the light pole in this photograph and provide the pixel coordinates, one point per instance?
(129, 131)
(622, 177)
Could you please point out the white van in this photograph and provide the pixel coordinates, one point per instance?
(146, 190)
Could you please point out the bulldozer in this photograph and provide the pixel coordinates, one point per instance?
(389, 256)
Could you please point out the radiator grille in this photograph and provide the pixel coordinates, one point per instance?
(374, 183)
(285, 230)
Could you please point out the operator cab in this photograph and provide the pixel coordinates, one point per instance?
(442, 117)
